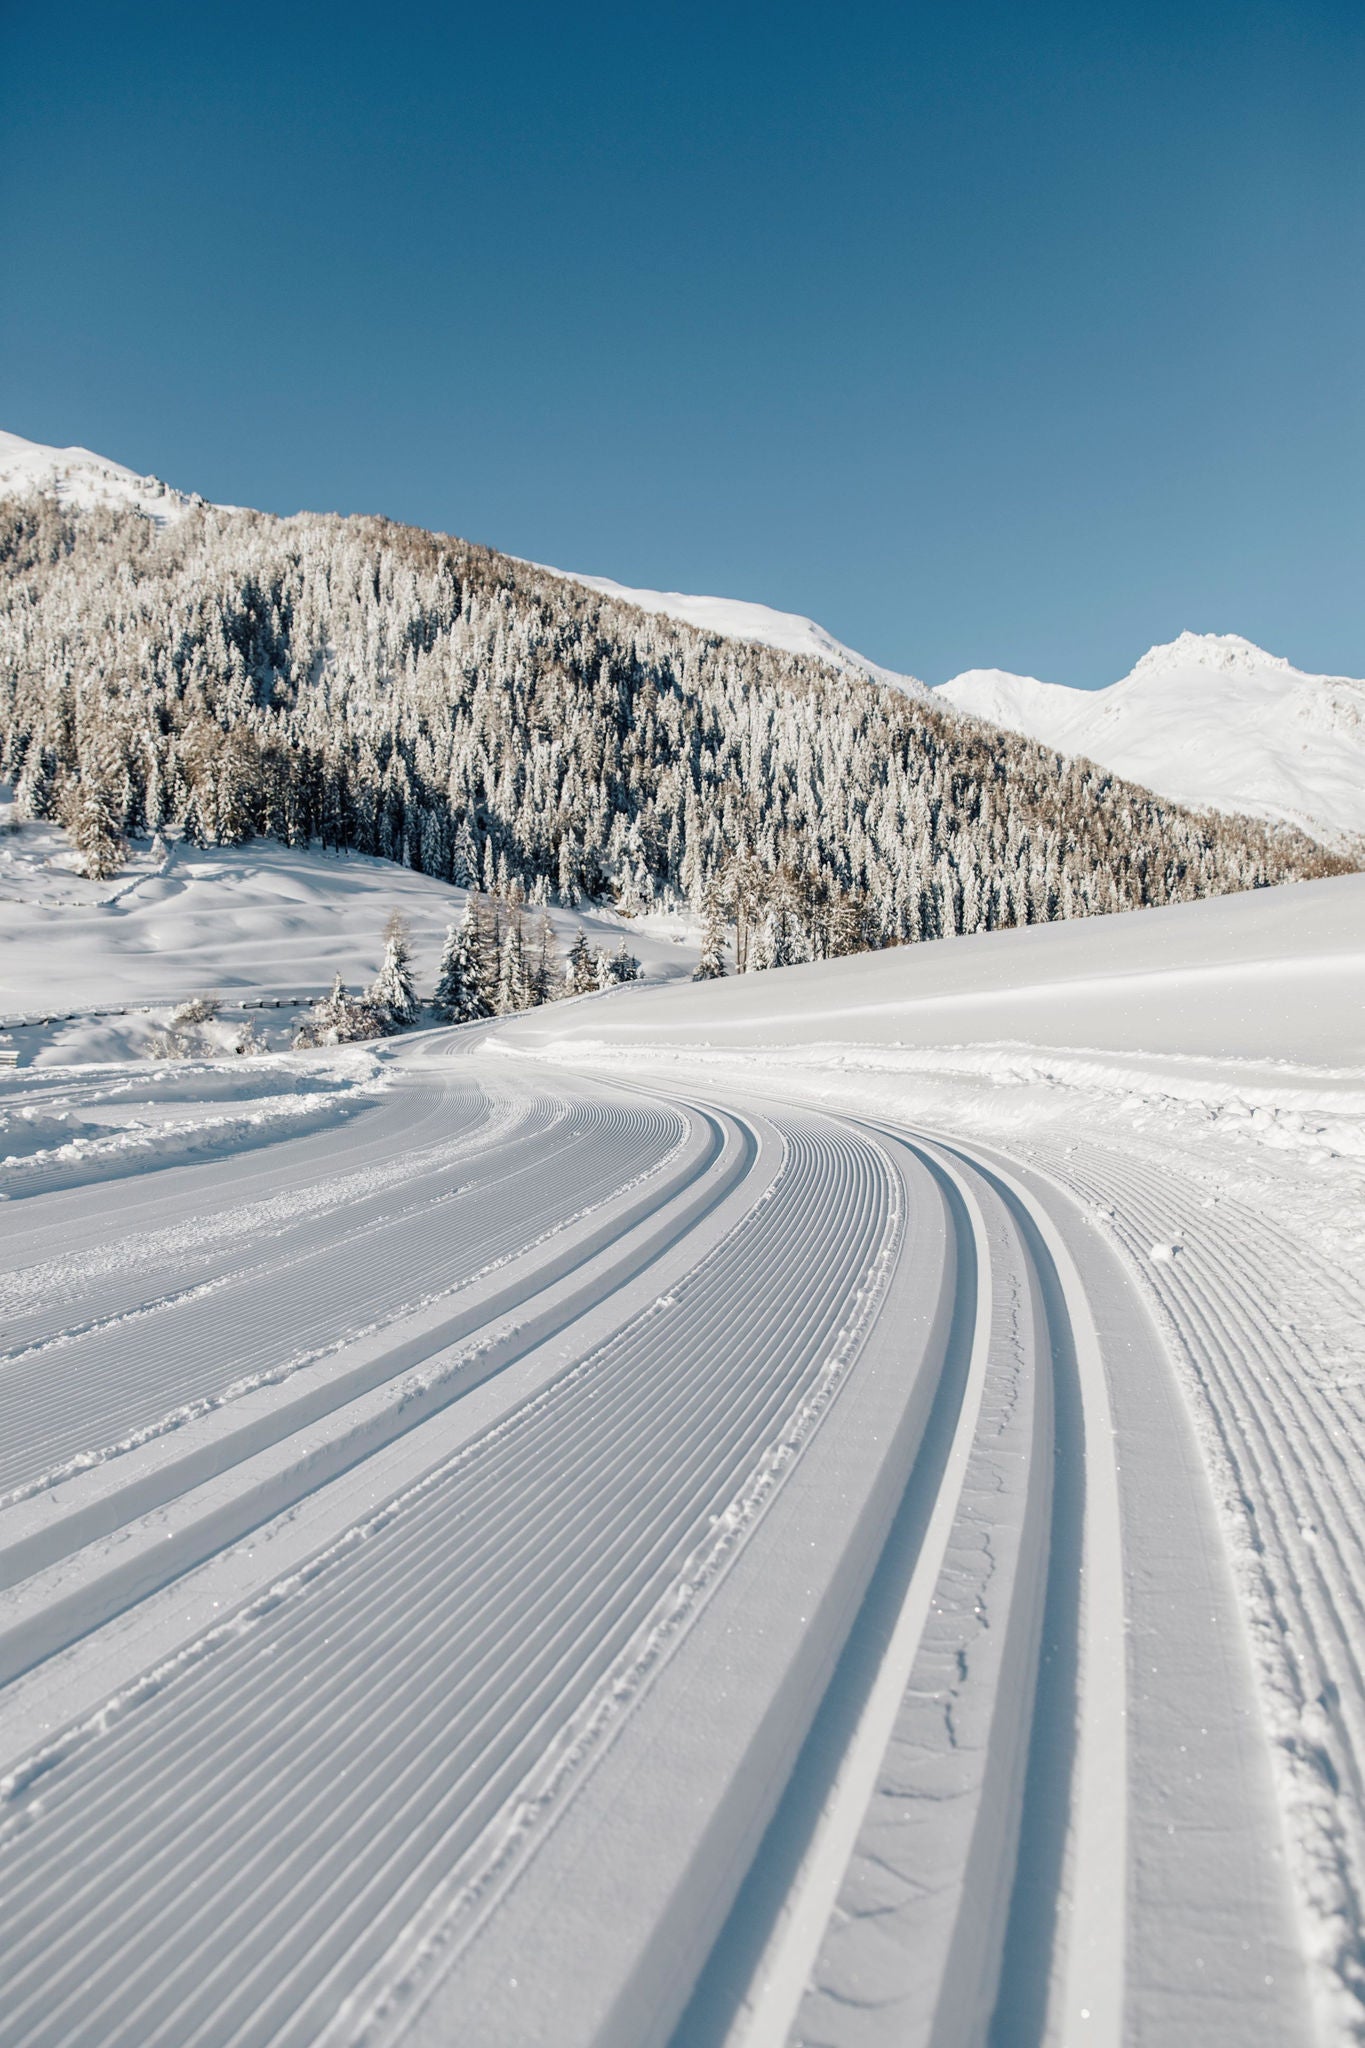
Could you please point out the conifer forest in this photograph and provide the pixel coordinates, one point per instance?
(359, 684)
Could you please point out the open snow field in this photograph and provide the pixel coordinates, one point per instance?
(822, 1508)
(92, 970)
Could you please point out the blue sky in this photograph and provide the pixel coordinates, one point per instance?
(989, 335)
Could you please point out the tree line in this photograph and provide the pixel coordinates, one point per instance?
(357, 684)
(494, 962)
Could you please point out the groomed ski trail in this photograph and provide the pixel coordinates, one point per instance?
(745, 1620)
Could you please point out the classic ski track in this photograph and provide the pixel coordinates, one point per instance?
(318, 1299)
(654, 1463)
(134, 1275)
(1286, 1440)
(184, 1870)
(94, 1226)
(1085, 1971)
(785, 1968)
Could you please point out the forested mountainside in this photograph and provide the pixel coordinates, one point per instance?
(373, 686)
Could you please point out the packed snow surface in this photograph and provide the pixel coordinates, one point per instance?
(1190, 1082)
(1208, 720)
(815, 1507)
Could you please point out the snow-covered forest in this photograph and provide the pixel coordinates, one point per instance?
(373, 686)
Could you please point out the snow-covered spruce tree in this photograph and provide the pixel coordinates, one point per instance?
(393, 993)
(546, 972)
(580, 977)
(95, 822)
(514, 970)
(711, 965)
(462, 995)
(359, 684)
(614, 968)
(340, 1019)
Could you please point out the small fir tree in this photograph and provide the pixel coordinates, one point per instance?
(97, 828)
(461, 995)
(581, 975)
(514, 976)
(711, 966)
(393, 993)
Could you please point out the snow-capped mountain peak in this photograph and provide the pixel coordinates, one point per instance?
(1207, 719)
(83, 479)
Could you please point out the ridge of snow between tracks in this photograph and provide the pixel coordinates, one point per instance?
(785, 1968)
(1092, 1977)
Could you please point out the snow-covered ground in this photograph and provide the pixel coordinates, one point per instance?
(1187, 1088)
(814, 1508)
(1208, 720)
(92, 970)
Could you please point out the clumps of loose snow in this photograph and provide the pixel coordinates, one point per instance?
(63, 1136)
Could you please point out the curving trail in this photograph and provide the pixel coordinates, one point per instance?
(552, 1562)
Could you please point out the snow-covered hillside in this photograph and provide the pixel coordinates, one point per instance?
(82, 479)
(732, 618)
(1208, 720)
(261, 922)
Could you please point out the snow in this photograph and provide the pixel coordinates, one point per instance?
(732, 618)
(83, 480)
(258, 924)
(632, 1448)
(820, 1505)
(1192, 1079)
(1208, 720)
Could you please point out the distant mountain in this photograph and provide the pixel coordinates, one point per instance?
(354, 682)
(732, 618)
(1208, 720)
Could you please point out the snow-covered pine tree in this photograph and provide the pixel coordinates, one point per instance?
(340, 1019)
(393, 992)
(613, 968)
(514, 974)
(546, 969)
(96, 825)
(711, 965)
(580, 977)
(461, 995)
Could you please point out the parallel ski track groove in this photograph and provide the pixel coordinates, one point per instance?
(653, 1454)
(52, 1418)
(1287, 1438)
(131, 1277)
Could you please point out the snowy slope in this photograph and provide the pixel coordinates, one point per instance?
(1182, 1091)
(261, 921)
(642, 1508)
(1208, 720)
(82, 480)
(732, 618)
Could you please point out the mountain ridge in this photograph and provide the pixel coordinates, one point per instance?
(1210, 720)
